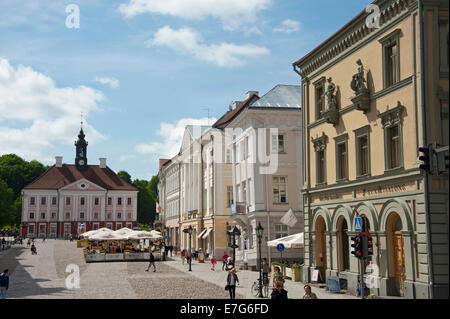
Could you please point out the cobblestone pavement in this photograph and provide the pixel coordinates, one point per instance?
(247, 278)
(44, 276)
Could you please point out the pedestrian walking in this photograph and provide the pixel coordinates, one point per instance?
(4, 283)
(183, 256)
(277, 276)
(151, 262)
(28, 242)
(308, 293)
(279, 293)
(213, 263)
(265, 271)
(224, 260)
(188, 256)
(33, 249)
(3, 243)
(43, 239)
(232, 280)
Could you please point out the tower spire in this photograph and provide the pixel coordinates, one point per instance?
(81, 149)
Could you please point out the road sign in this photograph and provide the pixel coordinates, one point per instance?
(280, 247)
(358, 224)
(165, 237)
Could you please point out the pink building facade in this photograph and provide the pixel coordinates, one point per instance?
(71, 199)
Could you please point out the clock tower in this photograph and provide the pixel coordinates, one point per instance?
(81, 152)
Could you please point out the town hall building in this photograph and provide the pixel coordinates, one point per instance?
(71, 199)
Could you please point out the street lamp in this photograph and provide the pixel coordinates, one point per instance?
(189, 231)
(231, 235)
(259, 234)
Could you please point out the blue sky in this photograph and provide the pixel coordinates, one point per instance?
(141, 69)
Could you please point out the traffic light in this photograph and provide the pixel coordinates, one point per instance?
(367, 244)
(357, 245)
(426, 158)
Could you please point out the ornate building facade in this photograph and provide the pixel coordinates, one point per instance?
(372, 96)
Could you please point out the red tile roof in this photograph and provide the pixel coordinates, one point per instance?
(58, 177)
(163, 161)
(333, 36)
(230, 115)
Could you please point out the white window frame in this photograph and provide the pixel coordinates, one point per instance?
(279, 233)
(96, 226)
(34, 229)
(118, 224)
(279, 193)
(109, 225)
(55, 226)
(69, 228)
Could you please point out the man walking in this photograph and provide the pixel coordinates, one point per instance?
(265, 271)
(4, 283)
(224, 260)
(151, 262)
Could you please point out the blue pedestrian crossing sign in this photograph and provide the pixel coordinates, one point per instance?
(358, 224)
(280, 247)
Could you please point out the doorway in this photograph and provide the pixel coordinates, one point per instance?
(396, 252)
(321, 247)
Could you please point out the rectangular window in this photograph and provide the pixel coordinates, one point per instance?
(109, 225)
(119, 201)
(96, 215)
(96, 226)
(342, 161)
(129, 201)
(66, 229)
(129, 216)
(394, 147)
(321, 167)
(31, 229)
(53, 229)
(119, 215)
(42, 215)
(319, 89)
(281, 231)
(109, 201)
(32, 201)
(43, 201)
(363, 155)
(281, 144)
(82, 201)
(96, 201)
(244, 192)
(67, 200)
(392, 75)
(31, 215)
(81, 215)
(53, 200)
(279, 190)
(109, 215)
(130, 225)
(53, 215)
(228, 156)
(229, 196)
(67, 215)
(118, 226)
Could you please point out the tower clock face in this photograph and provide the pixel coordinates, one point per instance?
(81, 162)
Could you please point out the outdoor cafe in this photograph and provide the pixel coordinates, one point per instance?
(104, 245)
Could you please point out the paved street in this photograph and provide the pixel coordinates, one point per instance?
(44, 276)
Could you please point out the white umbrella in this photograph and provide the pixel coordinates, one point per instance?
(292, 241)
(95, 232)
(123, 231)
(142, 235)
(106, 236)
(156, 233)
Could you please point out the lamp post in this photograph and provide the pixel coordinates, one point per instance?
(259, 234)
(189, 231)
(232, 240)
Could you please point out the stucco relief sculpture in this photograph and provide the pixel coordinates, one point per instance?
(331, 114)
(362, 96)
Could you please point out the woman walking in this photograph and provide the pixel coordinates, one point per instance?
(183, 256)
(232, 280)
(213, 263)
(277, 276)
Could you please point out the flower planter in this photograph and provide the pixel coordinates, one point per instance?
(296, 274)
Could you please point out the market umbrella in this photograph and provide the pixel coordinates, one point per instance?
(142, 235)
(97, 231)
(156, 233)
(106, 236)
(292, 241)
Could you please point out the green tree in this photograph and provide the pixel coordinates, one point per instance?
(153, 188)
(145, 203)
(125, 176)
(7, 216)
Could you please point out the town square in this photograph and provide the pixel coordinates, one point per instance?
(194, 150)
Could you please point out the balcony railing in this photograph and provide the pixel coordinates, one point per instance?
(238, 208)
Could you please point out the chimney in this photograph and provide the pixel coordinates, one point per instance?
(250, 93)
(58, 160)
(102, 162)
(234, 105)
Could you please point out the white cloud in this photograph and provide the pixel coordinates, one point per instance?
(288, 26)
(113, 82)
(172, 135)
(232, 13)
(35, 114)
(188, 41)
(124, 158)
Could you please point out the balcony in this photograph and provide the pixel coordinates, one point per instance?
(238, 208)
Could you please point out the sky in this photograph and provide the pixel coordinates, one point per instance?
(140, 70)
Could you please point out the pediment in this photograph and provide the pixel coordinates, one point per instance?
(83, 184)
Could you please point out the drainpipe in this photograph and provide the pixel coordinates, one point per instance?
(424, 140)
(268, 219)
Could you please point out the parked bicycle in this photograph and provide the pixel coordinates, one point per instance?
(265, 288)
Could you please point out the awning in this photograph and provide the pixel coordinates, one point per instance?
(201, 233)
(207, 233)
(292, 241)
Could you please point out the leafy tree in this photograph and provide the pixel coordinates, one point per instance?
(145, 202)
(153, 188)
(6, 205)
(125, 176)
